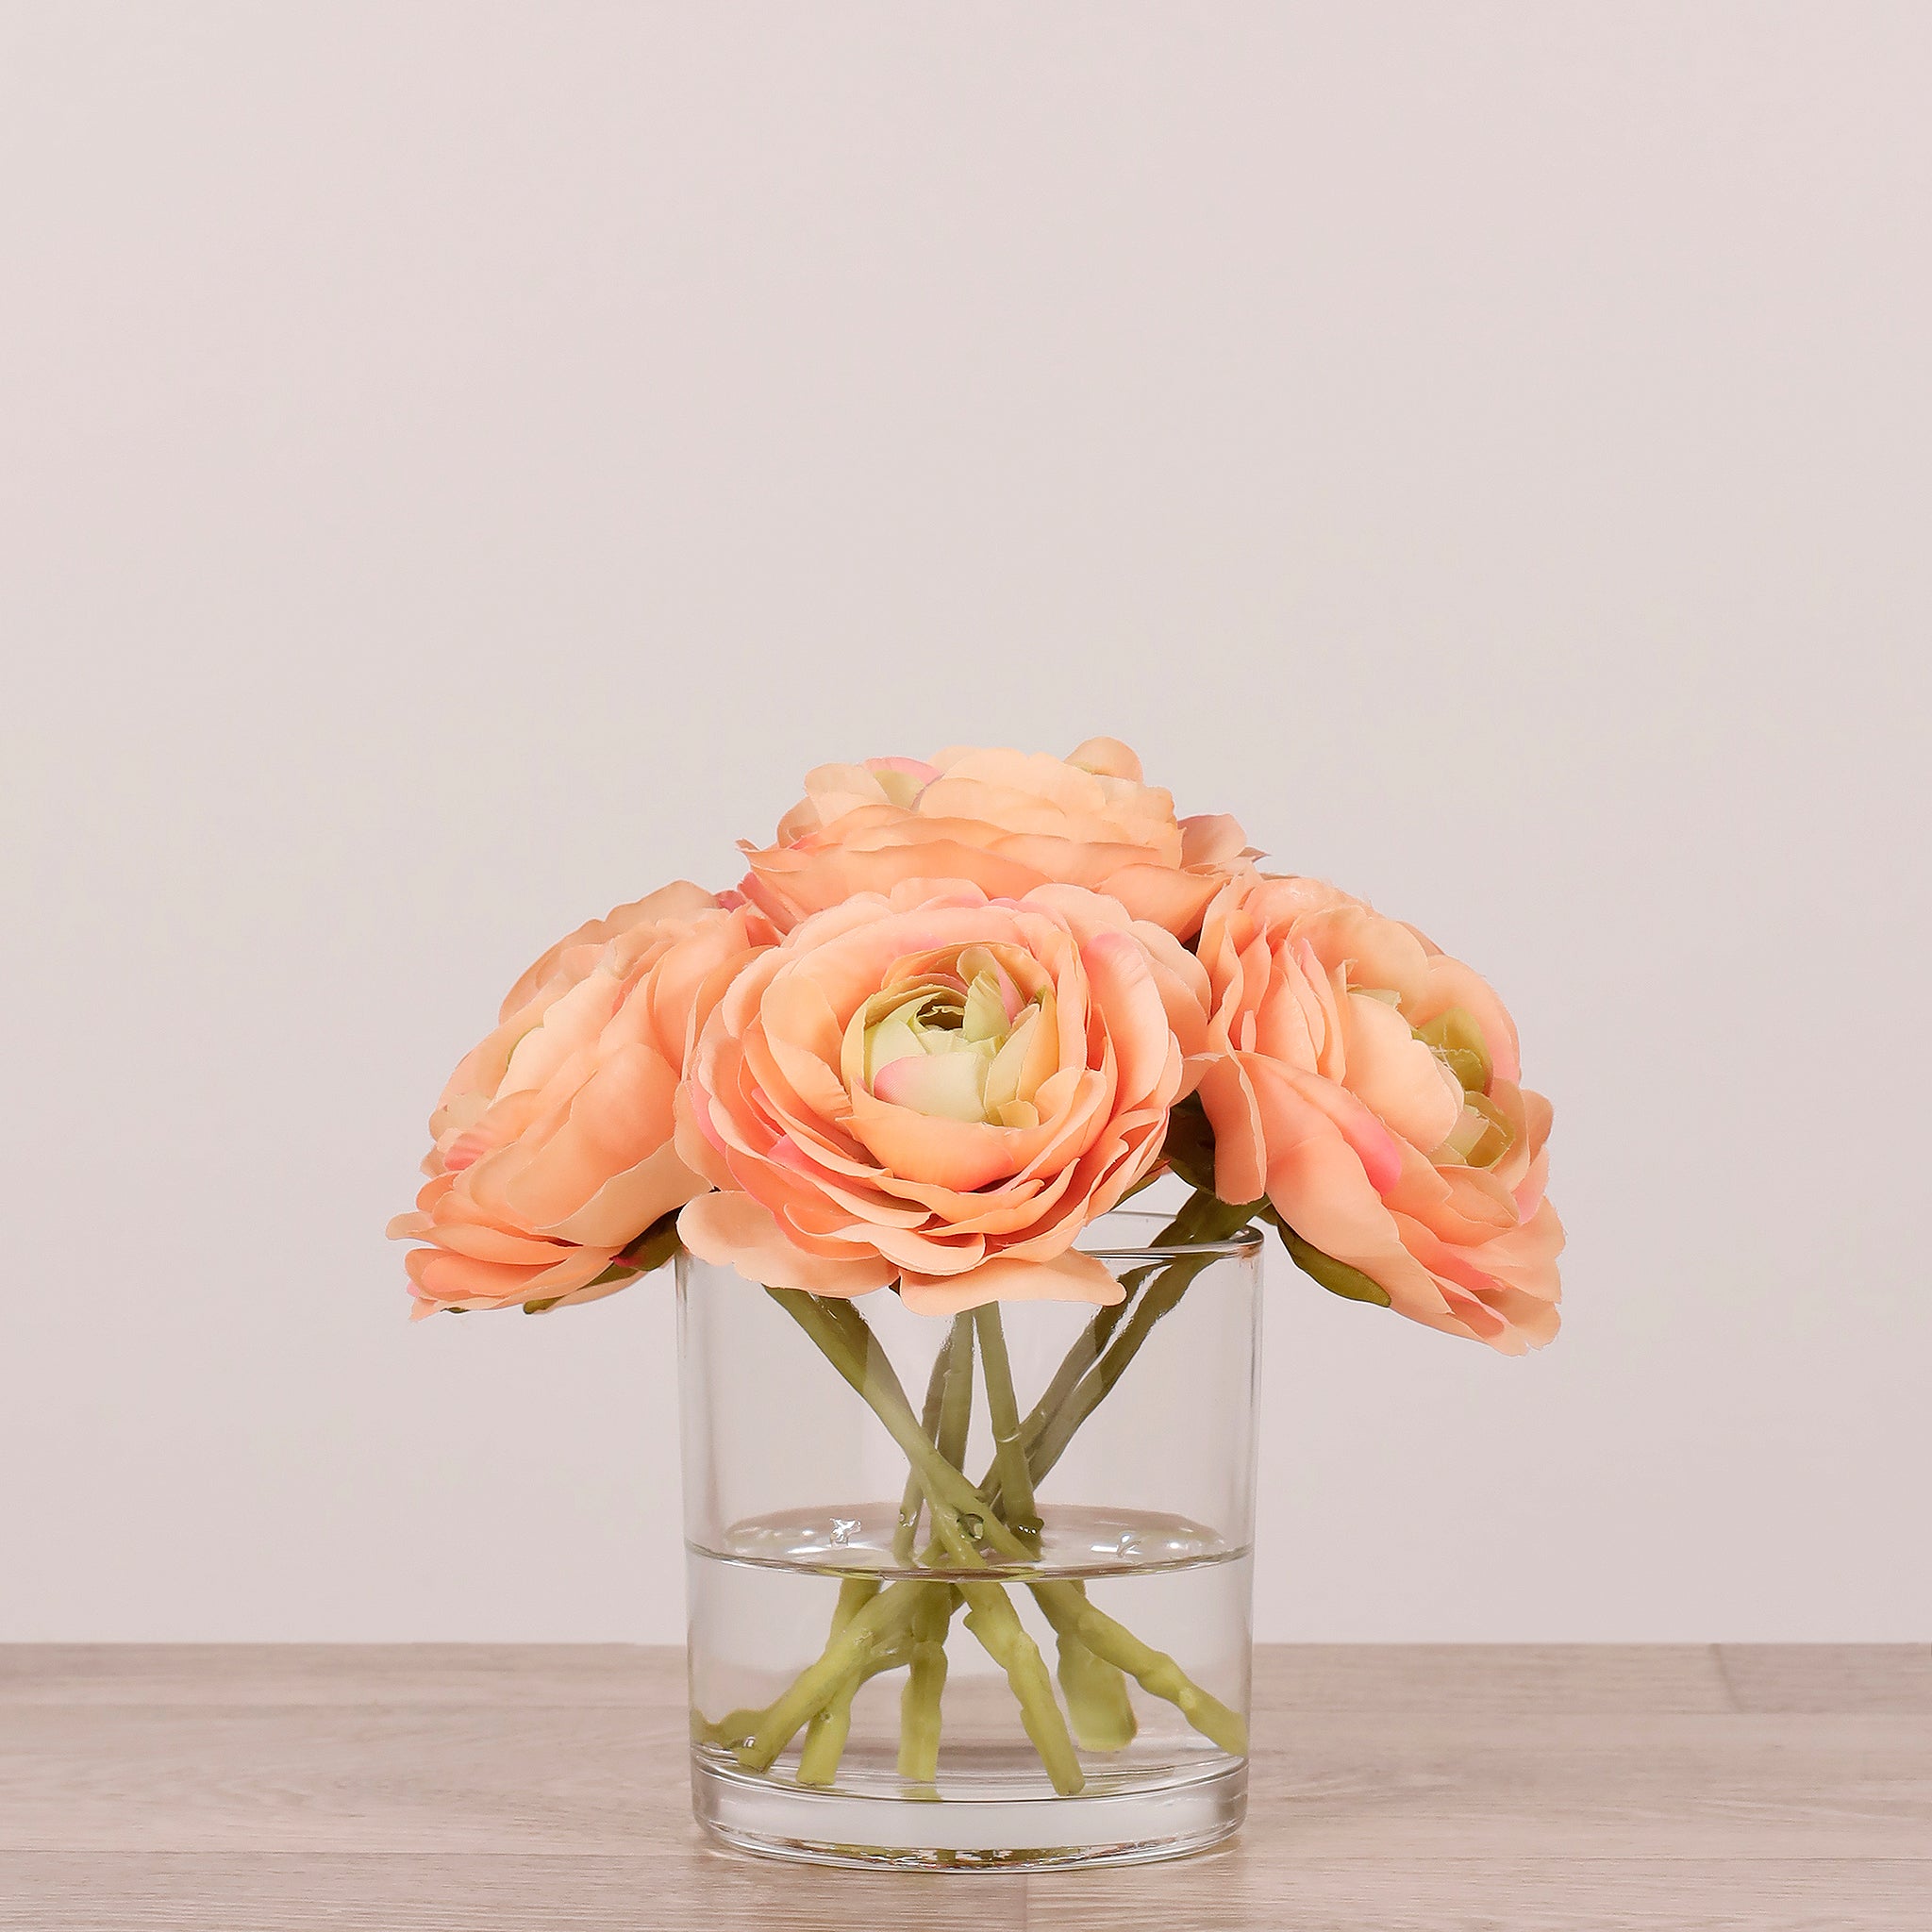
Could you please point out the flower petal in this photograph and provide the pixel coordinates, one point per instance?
(734, 1231)
(1068, 1278)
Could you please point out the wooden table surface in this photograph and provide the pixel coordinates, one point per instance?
(463, 1787)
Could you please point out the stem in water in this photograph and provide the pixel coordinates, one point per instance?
(926, 1682)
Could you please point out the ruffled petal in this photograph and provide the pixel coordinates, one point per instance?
(734, 1231)
(1068, 1277)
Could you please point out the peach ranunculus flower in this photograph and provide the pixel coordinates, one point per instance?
(1366, 1083)
(1003, 820)
(553, 1138)
(941, 1088)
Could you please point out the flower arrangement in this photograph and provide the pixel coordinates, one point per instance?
(958, 1009)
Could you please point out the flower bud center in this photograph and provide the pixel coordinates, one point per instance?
(1482, 1135)
(957, 1041)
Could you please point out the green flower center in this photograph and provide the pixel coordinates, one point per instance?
(959, 1044)
(1483, 1135)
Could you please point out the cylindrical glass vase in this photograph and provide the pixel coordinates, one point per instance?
(974, 1590)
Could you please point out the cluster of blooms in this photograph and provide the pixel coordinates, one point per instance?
(957, 1010)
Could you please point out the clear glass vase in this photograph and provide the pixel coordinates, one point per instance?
(974, 1590)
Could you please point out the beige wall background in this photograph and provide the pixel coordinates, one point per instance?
(461, 464)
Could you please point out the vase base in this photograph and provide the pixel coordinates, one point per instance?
(776, 1820)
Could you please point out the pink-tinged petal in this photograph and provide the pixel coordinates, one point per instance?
(618, 1116)
(1528, 1194)
(1182, 983)
(945, 1086)
(1297, 1016)
(732, 1230)
(1241, 1170)
(1179, 978)
(1068, 1277)
(954, 1153)
(1373, 951)
(833, 790)
(1507, 1315)
(1395, 1074)
(680, 900)
(1014, 791)
(1130, 1002)
(800, 1084)
(479, 1241)
(1530, 1119)
(911, 768)
(928, 1254)
(697, 1142)
(785, 910)
(1447, 982)
(460, 1279)
(1212, 838)
(1317, 1183)
(1525, 1256)
(1378, 1150)
(628, 1202)
(1460, 1204)
(794, 883)
(1000, 1211)
(1174, 900)
(688, 981)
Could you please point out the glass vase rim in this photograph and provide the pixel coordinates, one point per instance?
(1243, 1240)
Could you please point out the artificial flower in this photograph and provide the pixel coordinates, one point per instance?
(940, 1089)
(1368, 1085)
(553, 1141)
(1002, 820)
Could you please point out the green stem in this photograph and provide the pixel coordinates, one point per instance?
(1162, 1296)
(912, 1498)
(955, 1404)
(1008, 1454)
(1085, 1352)
(824, 1736)
(962, 1521)
(1093, 1339)
(738, 1731)
(1098, 1706)
(992, 1618)
(864, 1647)
(959, 1520)
(870, 1372)
(1097, 1361)
(1070, 1614)
(925, 1681)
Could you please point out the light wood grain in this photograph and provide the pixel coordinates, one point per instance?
(602, 1674)
(1493, 1679)
(467, 1788)
(1887, 1678)
(54, 1893)
(1402, 1893)
(345, 1893)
